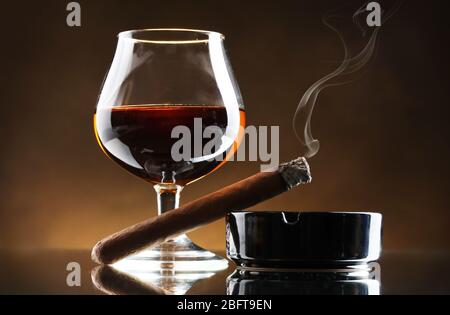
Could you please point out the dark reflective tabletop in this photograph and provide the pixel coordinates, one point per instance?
(45, 272)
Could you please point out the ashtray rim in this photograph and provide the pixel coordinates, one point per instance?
(370, 213)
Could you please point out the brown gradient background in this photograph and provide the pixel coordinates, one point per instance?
(384, 138)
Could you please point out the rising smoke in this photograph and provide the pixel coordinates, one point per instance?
(351, 64)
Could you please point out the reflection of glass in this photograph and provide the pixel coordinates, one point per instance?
(161, 79)
(112, 280)
(354, 280)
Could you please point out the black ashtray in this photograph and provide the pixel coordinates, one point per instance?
(303, 239)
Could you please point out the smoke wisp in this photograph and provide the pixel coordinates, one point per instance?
(351, 64)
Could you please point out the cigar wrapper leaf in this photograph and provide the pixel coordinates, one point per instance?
(197, 213)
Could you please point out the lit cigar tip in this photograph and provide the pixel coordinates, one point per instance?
(296, 172)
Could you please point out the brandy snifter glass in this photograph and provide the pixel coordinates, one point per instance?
(160, 79)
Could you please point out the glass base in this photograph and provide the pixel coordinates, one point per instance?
(177, 255)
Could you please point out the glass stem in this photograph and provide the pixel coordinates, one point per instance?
(168, 197)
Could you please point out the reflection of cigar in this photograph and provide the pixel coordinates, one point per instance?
(204, 210)
(113, 282)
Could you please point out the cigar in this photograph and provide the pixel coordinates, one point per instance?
(235, 197)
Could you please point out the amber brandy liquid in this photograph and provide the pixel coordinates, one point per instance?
(138, 137)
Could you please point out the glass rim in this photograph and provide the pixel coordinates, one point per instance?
(128, 35)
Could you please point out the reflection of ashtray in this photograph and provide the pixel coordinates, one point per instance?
(353, 280)
(112, 280)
